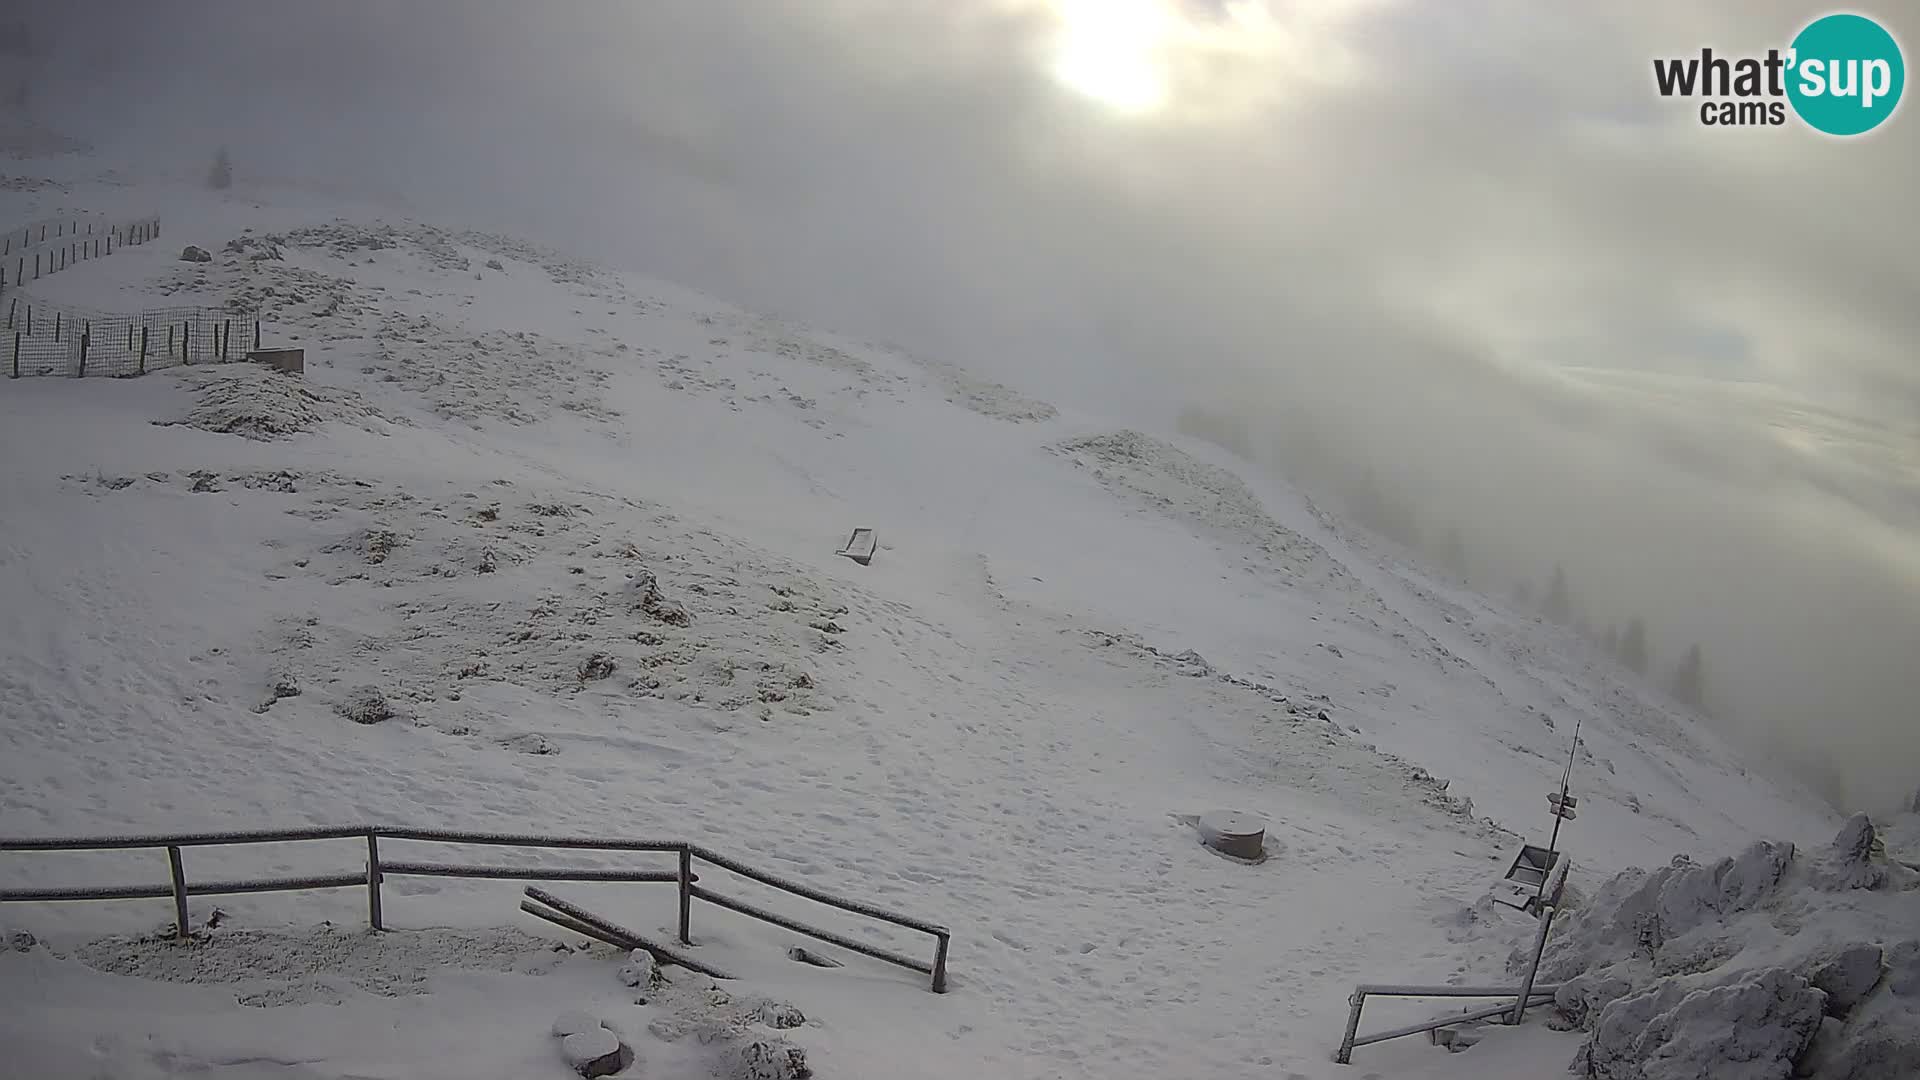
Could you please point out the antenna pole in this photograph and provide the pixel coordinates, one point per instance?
(1559, 814)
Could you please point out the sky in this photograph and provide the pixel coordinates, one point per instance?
(1464, 245)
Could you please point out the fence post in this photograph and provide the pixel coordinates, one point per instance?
(36, 266)
(169, 341)
(686, 894)
(16, 355)
(940, 966)
(143, 350)
(56, 326)
(179, 891)
(256, 335)
(373, 880)
(186, 353)
(13, 305)
(86, 337)
(226, 336)
(1344, 1055)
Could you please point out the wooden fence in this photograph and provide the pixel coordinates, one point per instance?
(376, 869)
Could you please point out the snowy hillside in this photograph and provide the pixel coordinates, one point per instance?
(535, 545)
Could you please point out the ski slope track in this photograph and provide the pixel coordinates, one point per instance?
(574, 530)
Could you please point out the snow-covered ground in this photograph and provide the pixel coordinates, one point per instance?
(576, 530)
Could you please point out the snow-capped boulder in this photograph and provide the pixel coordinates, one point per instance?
(1639, 910)
(1847, 977)
(192, 253)
(638, 971)
(1850, 863)
(773, 1059)
(595, 1053)
(589, 1046)
(1755, 1028)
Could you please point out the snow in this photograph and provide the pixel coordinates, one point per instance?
(573, 529)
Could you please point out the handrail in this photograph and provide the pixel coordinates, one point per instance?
(1344, 1056)
(377, 869)
(249, 836)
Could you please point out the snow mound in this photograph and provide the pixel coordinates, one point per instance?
(257, 403)
(469, 594)
(323, 965)
(517, 377)
(1758, 965)
(1752, 1029)
(1206, 496)
(988, 398)
(441, 248)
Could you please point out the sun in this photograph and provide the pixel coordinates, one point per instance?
(1112, 51)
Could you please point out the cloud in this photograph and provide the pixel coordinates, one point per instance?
(1466, 241)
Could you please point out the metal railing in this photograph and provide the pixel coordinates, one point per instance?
(1534, 996)
(377, 869)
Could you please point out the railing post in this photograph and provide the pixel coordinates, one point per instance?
(686, 894)
(1344, 1056)
(179, 892)
(1526, 985)
(940, 965)
(373, 880)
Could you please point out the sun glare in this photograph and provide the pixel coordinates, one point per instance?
(1110, 50)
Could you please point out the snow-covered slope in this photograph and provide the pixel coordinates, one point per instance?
(575, 529)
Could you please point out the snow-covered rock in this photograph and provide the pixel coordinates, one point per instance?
(595, 1053)
(779, 1015)
(639, 970)
(589, 1046)
(773, 1059)
(1638, 910)
(1755, 1028)
(193, 253)
(365, 705)
(1729, 969)
(1848, 977)
(1850, 863)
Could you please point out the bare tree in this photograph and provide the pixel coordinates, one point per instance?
(1633, 646)
(1453, 555)
(1689, 683)
(1559, 604)
(220, 177)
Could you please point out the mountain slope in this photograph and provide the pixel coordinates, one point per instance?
(575, 529)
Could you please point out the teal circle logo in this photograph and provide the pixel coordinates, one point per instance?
(1845, 74)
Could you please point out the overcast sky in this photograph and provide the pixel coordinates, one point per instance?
(1465, 238)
